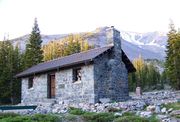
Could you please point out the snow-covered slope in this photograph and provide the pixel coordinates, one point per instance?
(150, 45)
(153, 41)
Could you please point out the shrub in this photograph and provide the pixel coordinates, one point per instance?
(134, 118)
(177, 116)
(45, 118)
(98, 117)
(34, 118)
(175, 106)
(111, 109)
(131, 119)
(70, 117)
(76, 111)
(5, 115)
(153, 119)
(128, 114)
(17, 119)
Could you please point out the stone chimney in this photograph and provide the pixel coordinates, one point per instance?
(113, 38)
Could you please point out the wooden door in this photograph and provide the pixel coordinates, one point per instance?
(53, 86)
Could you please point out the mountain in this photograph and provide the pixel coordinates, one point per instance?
(149, 45)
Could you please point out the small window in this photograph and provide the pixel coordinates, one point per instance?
(30, 82)
(76, 74)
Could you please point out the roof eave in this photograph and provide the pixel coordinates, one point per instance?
(20, 75)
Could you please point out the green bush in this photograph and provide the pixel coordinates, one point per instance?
(98, 117)
(17, 119)
(76, 111)
(45, 118)
(134, 118)
(70, 117)
(131, 119)
(111, 109)
(175, 106)
(128, 114)
(153, 119)
(5, 115)
(177, 116)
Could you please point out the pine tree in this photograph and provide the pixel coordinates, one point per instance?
(9, 66)
(173, 57)
(34, 54)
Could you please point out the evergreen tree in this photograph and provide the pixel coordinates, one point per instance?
(9, 66)
(173, 57)
(34, 54)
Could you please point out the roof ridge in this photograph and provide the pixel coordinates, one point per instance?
(106, 46)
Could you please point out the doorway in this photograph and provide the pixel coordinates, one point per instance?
(51, 86)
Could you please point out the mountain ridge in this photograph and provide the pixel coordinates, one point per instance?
(150, 45)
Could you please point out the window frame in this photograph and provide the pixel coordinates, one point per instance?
(30, 82)
(75, 74)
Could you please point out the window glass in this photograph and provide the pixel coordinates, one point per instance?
(30, 82)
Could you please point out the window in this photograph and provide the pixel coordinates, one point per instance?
(30, 82)
(77, 74)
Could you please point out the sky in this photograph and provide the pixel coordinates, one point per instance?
(69, 16)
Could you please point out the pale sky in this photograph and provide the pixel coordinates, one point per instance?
(68, 16)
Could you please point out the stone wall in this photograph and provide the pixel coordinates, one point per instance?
(66, 90)
(80, 91)
(110, 73)
(111, 79)
(38, 92)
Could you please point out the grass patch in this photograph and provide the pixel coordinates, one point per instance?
(9, 117)
(5, 115)
(128, 114)
(70, 117)
(131, 119)
(76, 111)
(109, 116)
(177, 116)
(175, 106)
(134, 118)
(112, 109)
(98, 117)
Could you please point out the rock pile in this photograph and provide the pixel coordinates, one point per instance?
(145, 105)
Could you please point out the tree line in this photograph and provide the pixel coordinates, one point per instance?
(73, 43)
(147, 75)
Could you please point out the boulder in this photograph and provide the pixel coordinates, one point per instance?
(146, 114)
(157, 109)
(163, 110)
(151, 108)
(117, 114)
(175, 112)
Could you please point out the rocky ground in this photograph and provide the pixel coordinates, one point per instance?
(149, 104)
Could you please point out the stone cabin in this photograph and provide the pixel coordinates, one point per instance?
(91, 76)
